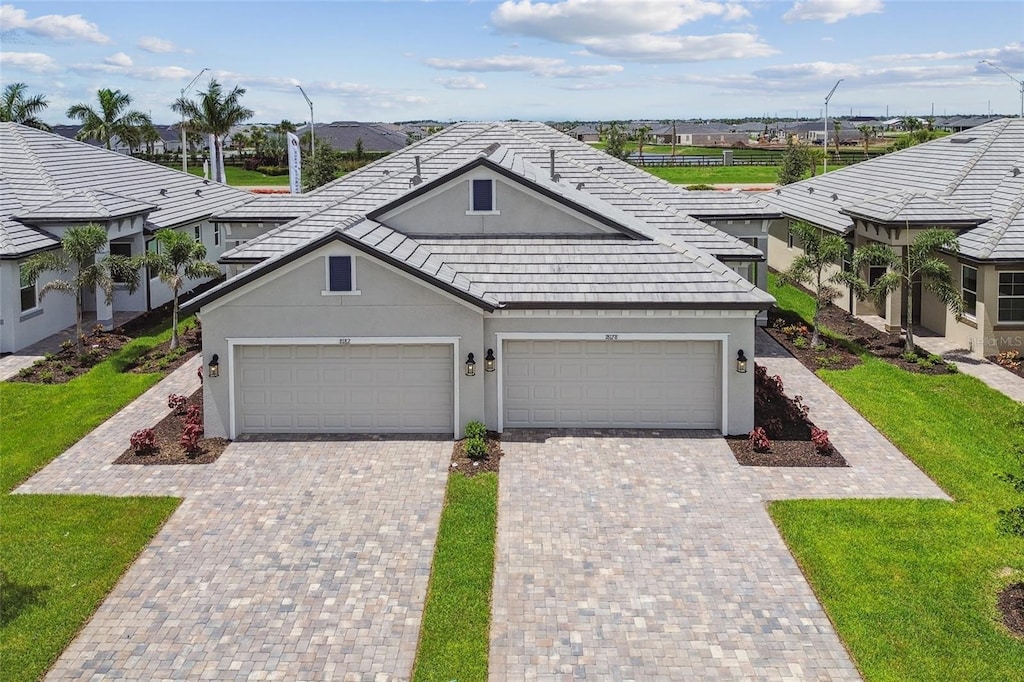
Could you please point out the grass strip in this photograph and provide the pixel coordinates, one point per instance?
(911, 584)
(455, 634)
(61, 554)
(710, 175)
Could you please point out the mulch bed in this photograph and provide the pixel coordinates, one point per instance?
(68, 363)
(1011, 605)
(162, 359)
(1011, 363)
(472, 467)
(783, 453)
(168, 449)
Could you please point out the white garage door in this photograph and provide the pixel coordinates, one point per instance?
(624, 384)
(345, 389)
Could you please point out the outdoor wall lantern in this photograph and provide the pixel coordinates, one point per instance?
(470, 366)
(489, 360)
(741, 362)
(215, 365)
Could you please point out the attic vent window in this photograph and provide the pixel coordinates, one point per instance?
(481, 197)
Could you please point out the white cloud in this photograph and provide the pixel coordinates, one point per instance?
(34, 62)
(145, 73)
(119, 59)
(673, 48)
(1011, 56)
(57, 26)
(159, 45)
(831, 11)
(547, 67)
(460, 83)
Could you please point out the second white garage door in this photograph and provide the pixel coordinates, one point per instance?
(345, 389)
(619, 384)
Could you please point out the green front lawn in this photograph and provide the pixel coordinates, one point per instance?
(61, 554)
(455, 634)
(239, 177)
(911, 585)
(711, 175)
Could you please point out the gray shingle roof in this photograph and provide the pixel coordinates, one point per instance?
(912, 207)
(980, 172)
(42, 174)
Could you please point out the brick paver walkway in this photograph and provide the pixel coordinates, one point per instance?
(640, 556)
(286, 560)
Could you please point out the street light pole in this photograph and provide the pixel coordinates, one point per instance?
(1019, 83)
(184, 137)
(312, 136)
(825, 146)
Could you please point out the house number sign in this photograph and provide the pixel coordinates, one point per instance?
(611, 337)
(344, 342)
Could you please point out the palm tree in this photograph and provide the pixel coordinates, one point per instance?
(215, 113)
(16, 107)
(643, 135)
(178, 258)
(285, 126)
(822, 254)
(149, 136)
(113, 118)
(866, 131)
(258, 138)
(918, 262)
(839, 129)
(79, 247)
(240, 141)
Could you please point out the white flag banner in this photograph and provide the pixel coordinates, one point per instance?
(294, 164)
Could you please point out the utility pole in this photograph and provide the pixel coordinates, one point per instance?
(184, 137)
(825, 146)
(312, 136)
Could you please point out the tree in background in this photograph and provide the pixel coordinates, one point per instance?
(796, 161)
(112, 119)
(615, 141)
(215, 113)
(258, 138)
(179, 257)
(322, 168)
(77, 258)
(866, 132)
(240, 141)
(921, 263)
(16, 107)
(643, 136)
(820, 268)
(838, 125)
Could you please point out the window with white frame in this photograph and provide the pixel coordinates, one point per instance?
(481, 198)
(29, 295)
(969, 289)
(790, 239)
(216, 234)
(198, 232)
(1011, 296)
(341, 276)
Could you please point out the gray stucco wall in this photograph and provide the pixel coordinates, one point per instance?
(519, 211)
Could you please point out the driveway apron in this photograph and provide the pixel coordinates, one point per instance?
(286, 560)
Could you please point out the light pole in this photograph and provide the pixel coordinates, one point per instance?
(184, 137)
(825, 146)
(312, 137)
(1019, 83)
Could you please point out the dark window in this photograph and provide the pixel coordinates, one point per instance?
(216, 233)
(969, 289)
(120, 249)
(1011, 296)
(875, 273)
(28, 291)
(483, 195)
(198, 231)
(339, 273)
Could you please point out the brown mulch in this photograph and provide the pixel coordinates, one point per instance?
(68, 363)
(168, 450)
(783, 453)
(472, 467)
(162, 359)
(1014, 366)
(1011, 605)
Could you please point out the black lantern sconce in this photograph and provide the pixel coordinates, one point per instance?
(741, 362)
(215, 366)
(489, 360)
(470, 366)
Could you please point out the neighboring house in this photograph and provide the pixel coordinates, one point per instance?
(585, 133)
(503, 272)
(343, 136)
(49, 183)
(970, 182)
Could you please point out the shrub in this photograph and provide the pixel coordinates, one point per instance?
(800, 342)
(909, 357)
(190, 435)
(476, 448)
(1011, 359)
(46, 377)
(773, 427)
(177, 402)
(49, 357)
(143, 441)
(67, 369)
(821, 441)
(67, 344)
(476, 429)
(25, 372)
(758, 440)
(194, 415)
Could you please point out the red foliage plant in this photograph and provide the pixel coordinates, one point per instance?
(758, 440)
(194, 415)
(821, 441)
(177, 402)
(190, 436)
(143, 441)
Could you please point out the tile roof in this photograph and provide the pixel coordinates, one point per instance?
(912, 207)
(980, 172)
(42, 174)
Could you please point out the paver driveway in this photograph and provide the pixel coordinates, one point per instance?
(640, 556)
(286, 560)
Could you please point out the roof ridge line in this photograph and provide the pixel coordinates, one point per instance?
(978, 155)
(997, 234)
(40, 168)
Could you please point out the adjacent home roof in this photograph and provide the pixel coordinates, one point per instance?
(46, 179)
(343, 136)
(972, 180)
(652, 254)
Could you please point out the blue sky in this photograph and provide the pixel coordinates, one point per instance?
(563, 59)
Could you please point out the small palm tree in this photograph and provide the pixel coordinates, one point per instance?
(822, 253)
(643, 136)
(17, 108)
(113, 118)
(215, 113)
(77, 258)
(866, 131)
(919, 263)
(178, 258)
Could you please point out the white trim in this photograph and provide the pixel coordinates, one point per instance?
(1000, 297)
(501, 337)
(963, 288)
(616, 313)
(234, 342)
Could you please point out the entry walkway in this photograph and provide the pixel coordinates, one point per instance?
(286, 559)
